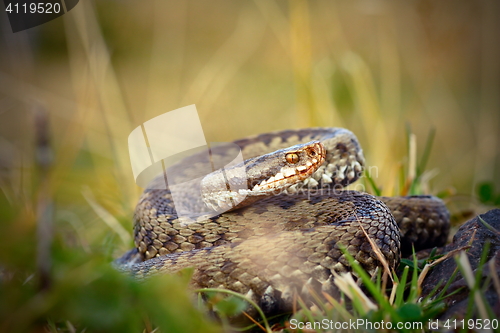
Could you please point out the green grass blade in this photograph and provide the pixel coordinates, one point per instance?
(374, 186)
(414, 280)
(487, 226)
(401, 287)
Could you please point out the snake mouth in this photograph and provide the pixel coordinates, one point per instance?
(300, 162)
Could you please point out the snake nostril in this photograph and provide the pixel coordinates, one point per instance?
(312, 152)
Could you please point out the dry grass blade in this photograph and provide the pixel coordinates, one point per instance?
(380, 256)
(254, 321)
(98, 87)
(106, 216)
(412, 167)
(70, 327)
(348, 286)
(392, 297)
(494, 276)
(471, 282)
(427, 267)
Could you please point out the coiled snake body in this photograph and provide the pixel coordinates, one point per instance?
(274, 246)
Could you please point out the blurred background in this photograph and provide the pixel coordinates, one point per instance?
(417, 81)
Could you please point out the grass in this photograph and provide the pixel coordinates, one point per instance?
(369, 305)
(105, 68)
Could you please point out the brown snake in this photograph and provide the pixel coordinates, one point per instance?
(273, 247)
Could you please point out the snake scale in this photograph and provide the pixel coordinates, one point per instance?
(286, 237)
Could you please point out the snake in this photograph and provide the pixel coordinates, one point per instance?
(280, 223)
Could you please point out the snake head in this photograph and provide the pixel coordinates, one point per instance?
(289, 166)
(261, 176)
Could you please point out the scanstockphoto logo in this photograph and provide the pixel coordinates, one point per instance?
(160, 143)
(28, 14)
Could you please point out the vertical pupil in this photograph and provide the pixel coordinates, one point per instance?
(292, 158)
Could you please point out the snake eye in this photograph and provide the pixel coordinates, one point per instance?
(292, 158)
